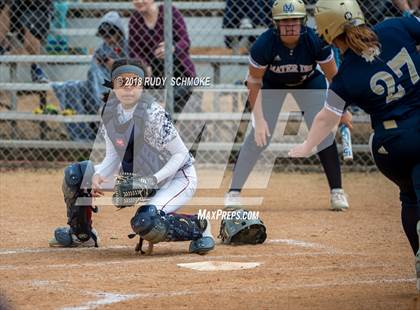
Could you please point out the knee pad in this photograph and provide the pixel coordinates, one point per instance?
(149, 224)
(76, 176)
(155, 226)
(72, 180)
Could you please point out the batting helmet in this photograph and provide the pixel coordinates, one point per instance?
(284, 9)
(333, 16)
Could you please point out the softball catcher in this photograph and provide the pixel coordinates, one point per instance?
(153, 163)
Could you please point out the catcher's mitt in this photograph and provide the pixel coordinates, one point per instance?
(131, 189)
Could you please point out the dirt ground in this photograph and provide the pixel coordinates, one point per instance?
(313, 258)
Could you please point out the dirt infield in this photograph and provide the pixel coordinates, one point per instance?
(313, 258)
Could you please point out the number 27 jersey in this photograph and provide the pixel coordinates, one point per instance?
(387, 88)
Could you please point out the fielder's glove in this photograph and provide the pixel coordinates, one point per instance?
(131, 189)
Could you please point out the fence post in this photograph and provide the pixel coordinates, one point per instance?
(168, 55)
(13, 97)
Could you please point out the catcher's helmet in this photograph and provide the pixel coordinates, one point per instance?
(284, 9)
(333, 16)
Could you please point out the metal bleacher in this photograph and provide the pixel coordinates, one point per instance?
(182, 5)
(12, 61)
(204, 30)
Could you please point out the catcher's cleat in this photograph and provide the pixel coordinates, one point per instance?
(232, 199)
(206, 242)
(139, 246)
(64, 238)
(338, 200)
(202, 246)
(418, 261)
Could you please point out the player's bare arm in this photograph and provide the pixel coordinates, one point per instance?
(254, 83)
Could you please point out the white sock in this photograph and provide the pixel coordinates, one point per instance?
(207, 231)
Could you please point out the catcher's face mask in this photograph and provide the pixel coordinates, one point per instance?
(289, 29)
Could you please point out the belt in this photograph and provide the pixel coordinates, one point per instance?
(296, 84)
(301, 82)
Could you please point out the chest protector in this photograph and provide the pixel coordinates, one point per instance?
(128, 138)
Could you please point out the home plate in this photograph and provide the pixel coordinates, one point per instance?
(212, 266)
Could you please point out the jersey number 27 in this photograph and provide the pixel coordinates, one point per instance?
(394, 92)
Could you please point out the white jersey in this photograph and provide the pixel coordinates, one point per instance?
(160, 133)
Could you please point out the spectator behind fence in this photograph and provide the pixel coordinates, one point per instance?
(407, 7)
(146, 43)
(246, 14)
(85, 97)
(4, 27)
(415, 6)
(30, 24)
(376, 11)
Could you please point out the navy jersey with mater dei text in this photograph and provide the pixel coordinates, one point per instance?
(288, 67)
(387, 88)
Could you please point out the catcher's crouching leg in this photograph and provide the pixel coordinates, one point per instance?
(156, 226)
(80, 232)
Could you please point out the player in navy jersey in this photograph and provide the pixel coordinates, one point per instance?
(286, 57)
(381, 74)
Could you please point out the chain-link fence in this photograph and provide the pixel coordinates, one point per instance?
(55, 56)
